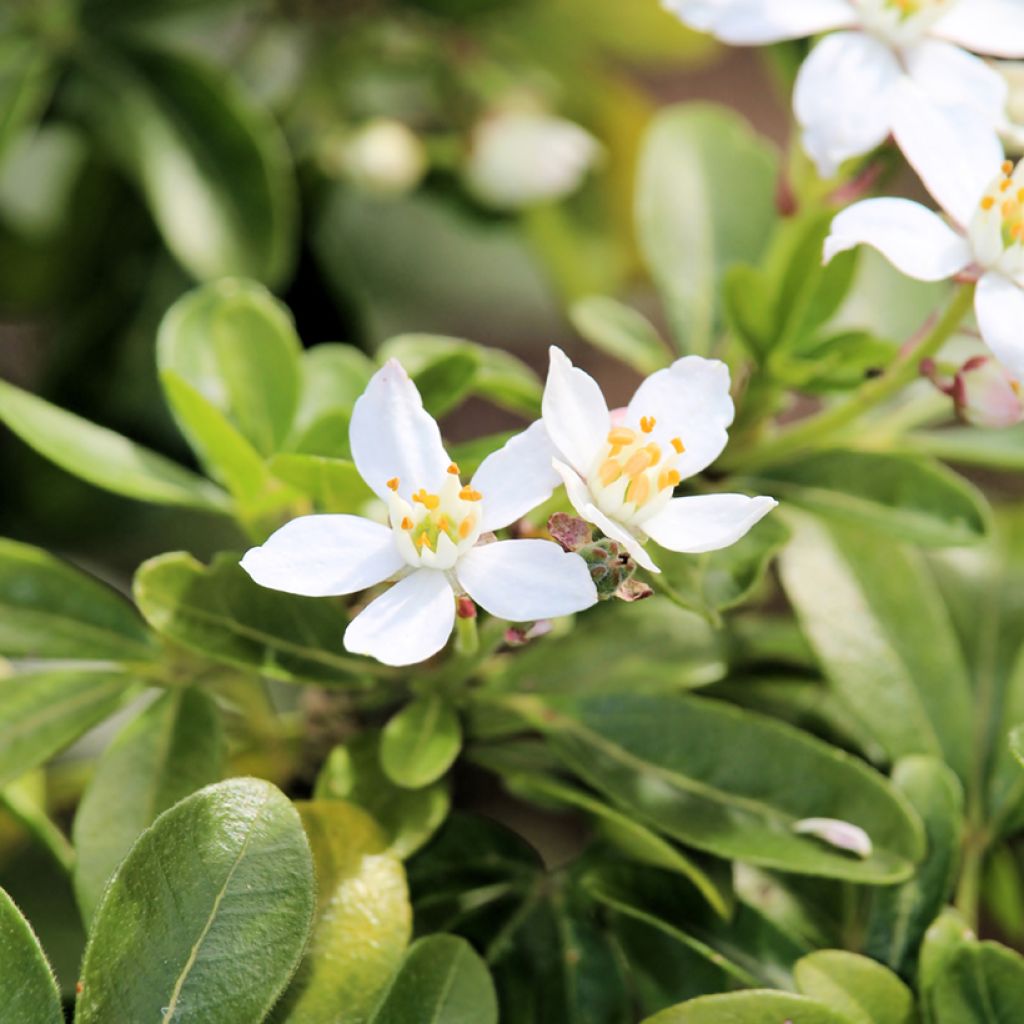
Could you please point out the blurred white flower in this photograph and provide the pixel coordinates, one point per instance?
(430, 546)
(841, 834)
(620, 474)
(983, 393)
(384, 156)
(899, 67)
(988, 244)
(1013, 74)
(519, 158)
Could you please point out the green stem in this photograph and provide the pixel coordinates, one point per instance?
(467, 638)
(968, 893)
(811, 432)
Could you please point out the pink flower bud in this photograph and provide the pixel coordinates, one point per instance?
(464, 608)
(986, 395)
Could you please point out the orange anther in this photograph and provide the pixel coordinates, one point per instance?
(1005, 184)
(1020, 195)
(454, 469)
(393, 483)
(647, 423)
(988, 202)
(429, 501)
(1007, 167)
(468, 494)
(677, 443)
(639, 490)
(465, 527)
(609, 472)
(638, 462)
(668, 478)
(655, 453)
(406, 523)
(442, 523)
(423, 540)
(621, 436)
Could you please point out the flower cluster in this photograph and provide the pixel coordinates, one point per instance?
(438, 546)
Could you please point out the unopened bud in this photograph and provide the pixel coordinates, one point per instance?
(465, 608)
(383, 156)
(518, 636)
(983, 392)
(610, 566)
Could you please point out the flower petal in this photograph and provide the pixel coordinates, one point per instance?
(579, 496)
(949, 74)
(392, 435)
(408, 623)
(750, 22)
(689, 400)
(517, 477)
(916, 241)
(994, 27)
(843, 98)
(955, 152)
(999, 307)
(706, 522)
(324, 555)
(526, 580)
(575, 412)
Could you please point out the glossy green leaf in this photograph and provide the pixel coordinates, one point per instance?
(103, 457)
(899, 496)
(41, 713)
(235, 344)
(900, 915)
(213, 166)
(409, 817)
(982, 983)
(870, 610)
(621, 332)
(26, 80)
(219, 612)
(49, 609)
(750, 1008)
(441, 980)
(207, 916)
(420, 743)
(945, 936)
(505, 380)
(333, 485)
(696, 160)
(168, 752)
(28, 992)
(836, 362)
(660, 757)
(363, 919)
(860, 989)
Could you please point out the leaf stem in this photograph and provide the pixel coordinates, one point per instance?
(810, 432)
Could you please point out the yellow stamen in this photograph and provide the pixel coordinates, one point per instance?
(655, 453)
(1007, 167)
(429, 501)
(668, 478)
(647, 423)
(988, 202)
(454, 469)
(1020, 195)
(609, 472)
(621, 436)
(406, 523)
(393, 483)
(423, 541)
(442, 523)
(677, 443)
(639, 490)
(468, 494)
(1005, 184)
(638, 462)
(465, 527)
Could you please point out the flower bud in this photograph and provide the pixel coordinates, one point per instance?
(986, 395)
(519, 158)
(383, 156)
(843, 835)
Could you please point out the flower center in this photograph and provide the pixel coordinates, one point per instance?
(997, 228)
(634, 475)
(433, 530)
(901, 22)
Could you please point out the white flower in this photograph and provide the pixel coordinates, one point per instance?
(519, 158)
(620, 473)
(430, 546)
(986, 395)
(988, 244)
(385, 156)
(897, 67)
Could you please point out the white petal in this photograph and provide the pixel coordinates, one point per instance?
(706, 522)
(526, 580)
(999, 307)
(955, 152)
(517, 477)
(743, 22)
(949, 74)
(689, 400)
(575, 412)
(408, 623)
(843, 98)
(392, 435)
(324, 555)
(994, 27)
(580, 497)
(911, 237)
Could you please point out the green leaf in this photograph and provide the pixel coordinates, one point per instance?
(363, 919)
(214, 167)
(945, 936)
(660, 757)
(409, 817)
(235, 344)
(333, 485)
(41, 713)
(207, 916)
(1017, 744)
(863, 991)
(219, 612)
(899, 496)
(697, 159)
(26, 81)
(750, 1008)
(421, 742)
(837, 362)
(506, 380)
(28, 992)
(621, 331)
(1000, 449)
(103, 457)
(982, 983)
(470, 454)
(440, 981)
(870, 610)
(49, 609)
(900, 915)
(168, 752)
